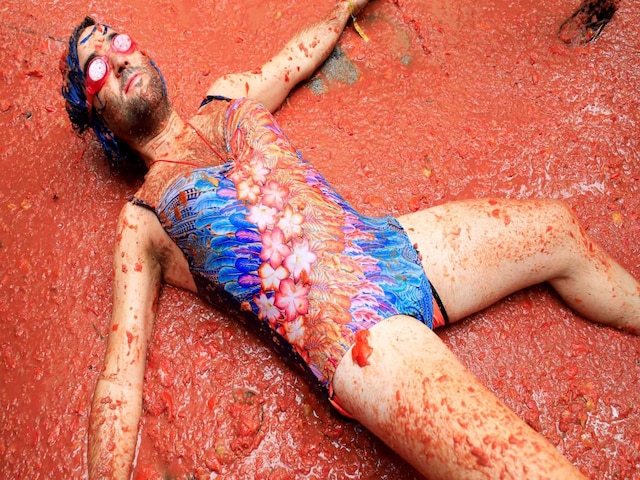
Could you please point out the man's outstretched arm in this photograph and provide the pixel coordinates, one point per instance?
(117, 401)
(299, 58)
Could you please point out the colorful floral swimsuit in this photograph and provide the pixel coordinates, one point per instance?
(266, 232)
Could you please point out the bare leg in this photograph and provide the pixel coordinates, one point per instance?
(477, 252)
(417, 397)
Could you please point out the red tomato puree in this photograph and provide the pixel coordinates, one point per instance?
(447, 100)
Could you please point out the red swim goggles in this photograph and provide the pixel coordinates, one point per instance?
(98, 68)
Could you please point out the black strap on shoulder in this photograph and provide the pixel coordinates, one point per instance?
(211, 98)
(141, 203)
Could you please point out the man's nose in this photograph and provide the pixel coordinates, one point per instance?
(118, 62)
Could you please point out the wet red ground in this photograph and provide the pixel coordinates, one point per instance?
(453, 100)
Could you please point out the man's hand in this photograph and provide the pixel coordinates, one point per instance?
(355, 6)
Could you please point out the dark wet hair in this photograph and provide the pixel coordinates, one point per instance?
(118, 153)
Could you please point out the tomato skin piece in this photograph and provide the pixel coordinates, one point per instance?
(361, 349)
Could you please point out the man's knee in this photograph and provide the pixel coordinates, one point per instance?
(560, 213)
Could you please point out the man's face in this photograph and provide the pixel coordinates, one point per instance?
(132, 101)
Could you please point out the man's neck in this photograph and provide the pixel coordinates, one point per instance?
(168, 143)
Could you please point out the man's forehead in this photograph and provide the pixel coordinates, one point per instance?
(90, 39)
(93, 32)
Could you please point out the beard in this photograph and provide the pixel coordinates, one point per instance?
(143, 114)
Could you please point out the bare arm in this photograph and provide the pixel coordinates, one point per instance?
(299, 58)
(117, 402)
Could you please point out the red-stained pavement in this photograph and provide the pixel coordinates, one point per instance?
(448, 100)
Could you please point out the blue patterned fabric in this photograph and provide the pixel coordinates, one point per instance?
(266, 231)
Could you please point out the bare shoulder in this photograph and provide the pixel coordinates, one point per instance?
(210, 119)
(138, 223)
(140, 233)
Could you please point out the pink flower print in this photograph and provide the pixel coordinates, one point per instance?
(300, 259)
(262, 216)
(291, 223)
(292, 299)
(239, 174)
(258, 172)
(271, 278)
(295, 332)
(267, 308)
(274, 194)
(274, 248)
(248, 190)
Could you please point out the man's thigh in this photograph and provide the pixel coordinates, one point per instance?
(476, 252)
